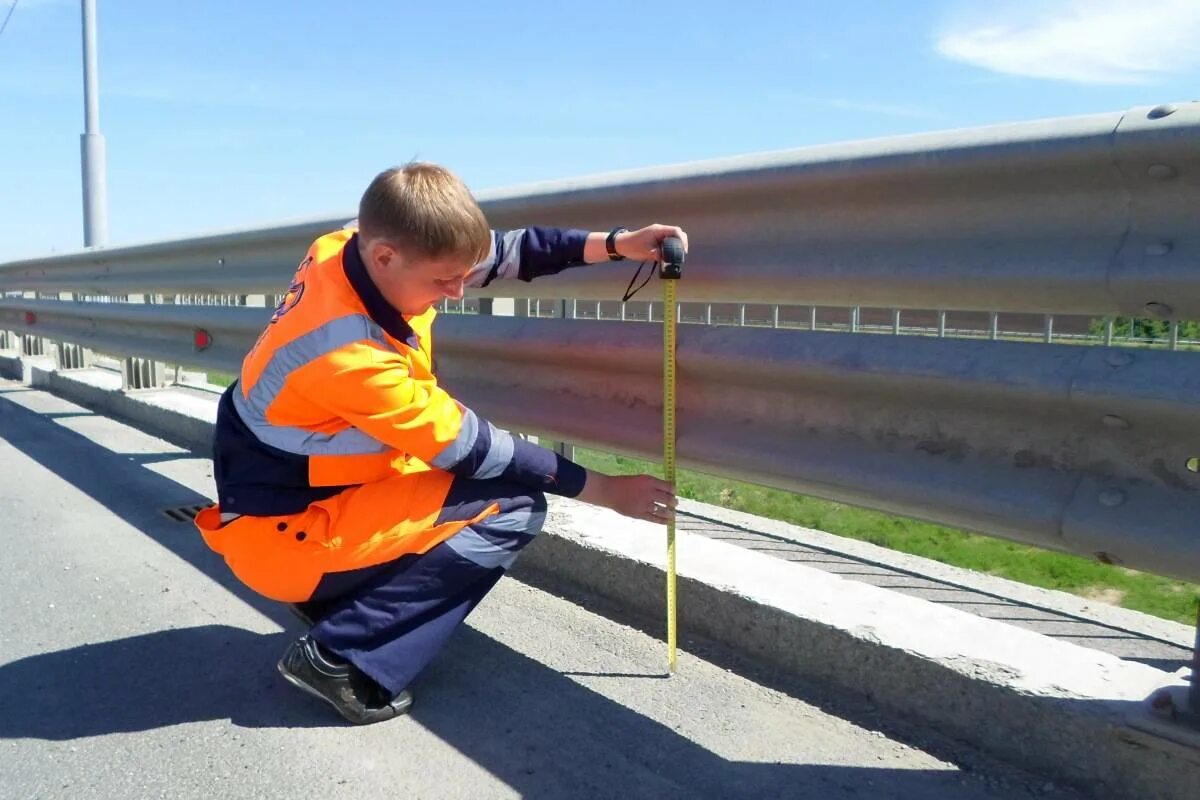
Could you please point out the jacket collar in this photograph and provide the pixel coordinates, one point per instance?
(378, 308)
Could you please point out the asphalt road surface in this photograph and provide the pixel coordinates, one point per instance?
(132, 665)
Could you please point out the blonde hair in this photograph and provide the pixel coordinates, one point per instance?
(425, 211)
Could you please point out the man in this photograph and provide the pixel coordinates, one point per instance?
(351, 485)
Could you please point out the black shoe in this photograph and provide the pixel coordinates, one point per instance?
(355, 696)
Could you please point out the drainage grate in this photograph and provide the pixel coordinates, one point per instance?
(184, 513)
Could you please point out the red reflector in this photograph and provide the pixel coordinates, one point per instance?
(30, 317)
(200, 339)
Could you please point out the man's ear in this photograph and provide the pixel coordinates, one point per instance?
(382, 255)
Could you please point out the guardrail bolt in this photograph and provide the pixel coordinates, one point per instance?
(1161, 172)
(1157, 310)
(1113, 421)
(1112, 497)
(1164, 110)
(201, 339)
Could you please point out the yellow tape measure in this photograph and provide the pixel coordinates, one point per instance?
(671, 271)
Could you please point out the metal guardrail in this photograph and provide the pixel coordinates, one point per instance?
(1076, 448)
(1086, 215)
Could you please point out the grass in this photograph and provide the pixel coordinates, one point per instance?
(1150, 594)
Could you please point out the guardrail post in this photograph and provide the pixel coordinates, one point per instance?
(1173, 341)
(994, 326)
(1049, 337)
(774, 316)
(812, 318)
(941, 324)
(854, 320)
(742, 314)
(895, 322)
(1109, 324)
(32, 345)
(565, 449)
(143, 373)
(1194, 689)
(72, 356)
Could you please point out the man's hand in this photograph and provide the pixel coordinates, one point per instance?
(639, 496)
(643, 245)
(639, 245)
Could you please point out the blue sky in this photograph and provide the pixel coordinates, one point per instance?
(224, 114)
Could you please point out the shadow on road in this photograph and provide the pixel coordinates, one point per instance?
(152, 681)
(535, 729)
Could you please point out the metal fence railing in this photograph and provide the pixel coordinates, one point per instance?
(993, 325)
(1024, 232)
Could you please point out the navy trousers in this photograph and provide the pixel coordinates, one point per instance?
(392, 619)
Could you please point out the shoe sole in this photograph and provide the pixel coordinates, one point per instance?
(304, 687)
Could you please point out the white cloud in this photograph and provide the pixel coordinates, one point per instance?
(1086, 41)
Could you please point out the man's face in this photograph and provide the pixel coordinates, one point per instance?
(413, 286)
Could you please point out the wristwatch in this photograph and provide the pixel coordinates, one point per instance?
(610, 244)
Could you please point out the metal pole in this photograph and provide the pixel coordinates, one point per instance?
(1049, 328)
(1108, 331)
(812, 318)
(896, 321)
(1194, 689)
(994, 326)
(774, 316)
(91, 145)
(708, 314)
(742, 314)
(941, 324)
(854, 320)
(1173, 342)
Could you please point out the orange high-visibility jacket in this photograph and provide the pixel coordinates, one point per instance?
(339, 393)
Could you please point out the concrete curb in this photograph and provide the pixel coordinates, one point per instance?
(1033, 700)
(1043, 703)
(1134, 621)
(157, 411)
